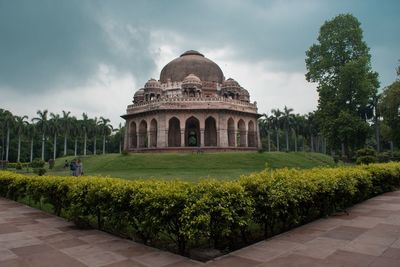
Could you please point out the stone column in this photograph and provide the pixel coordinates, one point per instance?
(162, 132)
(259, 145)
(137, 137)
(245, 138)
(126, 136)
(182, 137)
(149, 134)
(201, 137)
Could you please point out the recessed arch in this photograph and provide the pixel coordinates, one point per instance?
(241, 133)
(210, 132)
(251, 135)
(153, 133)
(192, 132)
(132, 135)
(174, 132)
(231, 132)
(143, 134)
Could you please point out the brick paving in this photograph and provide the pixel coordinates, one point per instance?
(368, 236)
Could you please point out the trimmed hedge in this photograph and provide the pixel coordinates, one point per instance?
(225, 215)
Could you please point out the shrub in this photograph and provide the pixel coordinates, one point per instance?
(365, 152)
(366, 160)
(38, 163)
(383, 157)
(39, 171)
(18, 166)
(223, 215)
(125, 152)
(52, 162)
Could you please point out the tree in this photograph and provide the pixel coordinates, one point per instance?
(7, 122)
(55, 127)
(340, 64)
(265, 126)
(105, 129)
(389, 107)
(30, 133)
(66, 124)
(93, 131)
(20, 125)
(84, 124)
(276, 122)
(75, 132)
(42, 124)
(287, 120)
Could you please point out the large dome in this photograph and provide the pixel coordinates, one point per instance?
(191, 62)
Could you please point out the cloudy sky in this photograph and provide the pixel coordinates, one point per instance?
(91, 56)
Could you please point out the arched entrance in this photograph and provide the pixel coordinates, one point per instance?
(210, 132)
(143, 134)
(132, 135)
(192, 132)
(241, 133)
(251, 135)
(153, 133)
(231, 132)
(174, 133)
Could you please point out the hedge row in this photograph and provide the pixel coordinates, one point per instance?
(210, 213)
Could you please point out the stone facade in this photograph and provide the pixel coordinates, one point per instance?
(178, 114)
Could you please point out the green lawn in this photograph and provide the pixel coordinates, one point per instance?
(192, 167)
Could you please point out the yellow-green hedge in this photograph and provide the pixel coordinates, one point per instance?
(219, 214)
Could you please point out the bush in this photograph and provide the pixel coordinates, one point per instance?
(125, 152)
(39, 171)
(18, 166)
(52, 162)
(38, 163)
(223, 215)
(383, 157)
(366, 152)
(366, 160)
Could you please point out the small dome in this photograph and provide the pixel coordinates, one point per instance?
(152, 83)
(192, 79)
(244, 92)
(230, 83)
(139, 92)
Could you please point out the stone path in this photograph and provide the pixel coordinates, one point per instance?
(368, 236)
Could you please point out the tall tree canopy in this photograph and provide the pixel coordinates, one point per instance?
(341, 65)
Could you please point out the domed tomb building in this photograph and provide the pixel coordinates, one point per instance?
(191, 106)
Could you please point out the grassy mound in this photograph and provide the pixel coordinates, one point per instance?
(192, 167)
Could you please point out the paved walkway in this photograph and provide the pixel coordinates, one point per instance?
(368, 236)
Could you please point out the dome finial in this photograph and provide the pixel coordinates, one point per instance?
(192, 52)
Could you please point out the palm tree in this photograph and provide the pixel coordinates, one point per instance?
(276, 121)
(287, 119)
(30, 133)
(84, 124)
(75, 131)
(93, 130)
(42, 123)
(66, 122)
(120, 133)
(20, 125)
(8, 122)
(105, 130)
(265, 125)
(54, 127)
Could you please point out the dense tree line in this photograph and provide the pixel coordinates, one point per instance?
(49, 135)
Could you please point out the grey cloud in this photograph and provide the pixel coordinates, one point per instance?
(46, 43)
